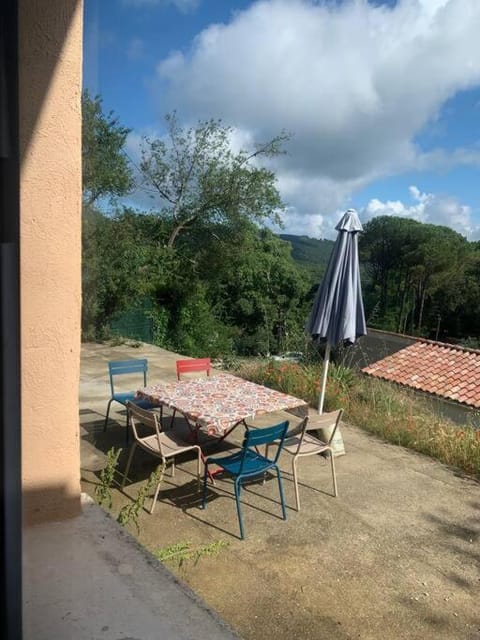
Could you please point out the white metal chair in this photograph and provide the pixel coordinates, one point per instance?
(163, 445)
(300, 443)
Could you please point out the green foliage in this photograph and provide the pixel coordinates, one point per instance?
(198, 181)
(123, 264)
(106, 170)
(264, 294)
(202, 276)
(235, 291)
(131, 511)
(107, 476)
(215, 282)
(182, 551)
(418, 276)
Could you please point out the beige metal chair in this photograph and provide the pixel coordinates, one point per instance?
(163, 445)
(300, 443)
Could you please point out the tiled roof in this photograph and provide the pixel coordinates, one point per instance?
(434, 367)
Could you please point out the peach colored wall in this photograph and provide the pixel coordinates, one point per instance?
(50, 57)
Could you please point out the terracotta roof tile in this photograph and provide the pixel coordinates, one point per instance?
(445, 370)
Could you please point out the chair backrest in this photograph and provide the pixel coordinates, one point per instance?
(267, 435)
(122, 367)
(193, 365)
(298, 432)
(149, 419)
(324, 421)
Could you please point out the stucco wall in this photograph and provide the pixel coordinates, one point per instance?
(50, 53)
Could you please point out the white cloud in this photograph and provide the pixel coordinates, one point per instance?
(427, 207)
(356, 83)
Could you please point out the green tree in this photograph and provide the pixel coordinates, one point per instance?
(411, 269)
(198, 180)
(106, 169)
(264, 294)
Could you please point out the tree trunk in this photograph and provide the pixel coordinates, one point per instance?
(420, 312)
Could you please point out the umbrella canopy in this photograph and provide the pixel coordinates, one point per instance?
(337, 313)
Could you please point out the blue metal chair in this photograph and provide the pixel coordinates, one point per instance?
(124, 367)
(249, 463)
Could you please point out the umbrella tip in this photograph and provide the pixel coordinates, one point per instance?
(349, 222)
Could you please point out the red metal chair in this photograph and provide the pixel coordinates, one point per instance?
(193, 365)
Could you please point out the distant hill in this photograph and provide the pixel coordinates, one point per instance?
(310, 253)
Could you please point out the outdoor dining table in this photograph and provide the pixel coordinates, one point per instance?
(220, 402)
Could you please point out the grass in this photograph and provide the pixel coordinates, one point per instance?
(397, 415)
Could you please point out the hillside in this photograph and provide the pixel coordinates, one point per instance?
(310, 253)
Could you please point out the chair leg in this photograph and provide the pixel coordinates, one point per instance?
(127, 428)
(210, 474)
(108, 413)
(199, 463)
(172, 418)
(129, 461)
(157, 491)
(173, 467)
(267, 448)
(334, 477)
(295, 482)
(280, 489)
(204, 494)
(238, 488)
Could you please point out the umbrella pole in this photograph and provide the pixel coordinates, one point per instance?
(326, 362)
(338, 448)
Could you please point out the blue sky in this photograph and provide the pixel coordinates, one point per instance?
(382, 98)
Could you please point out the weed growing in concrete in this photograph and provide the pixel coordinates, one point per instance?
(107, 476)
(182, 551)
(131, 511)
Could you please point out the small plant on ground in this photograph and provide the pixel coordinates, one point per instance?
(107, 476)
(131, 511)
(182, 551)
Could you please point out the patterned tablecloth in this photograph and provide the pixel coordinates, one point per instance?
(219, 402)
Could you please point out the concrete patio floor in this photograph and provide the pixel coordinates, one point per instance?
(86, 578)
(395, 556)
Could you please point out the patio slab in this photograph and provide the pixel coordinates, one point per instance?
(396, 555)
(88, 578)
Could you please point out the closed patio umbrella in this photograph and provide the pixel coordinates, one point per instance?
(337, 313)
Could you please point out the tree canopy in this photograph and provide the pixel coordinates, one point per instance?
(415, 272)
(216, 279)
(203, 268)
(106, 169)
(198, 180)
